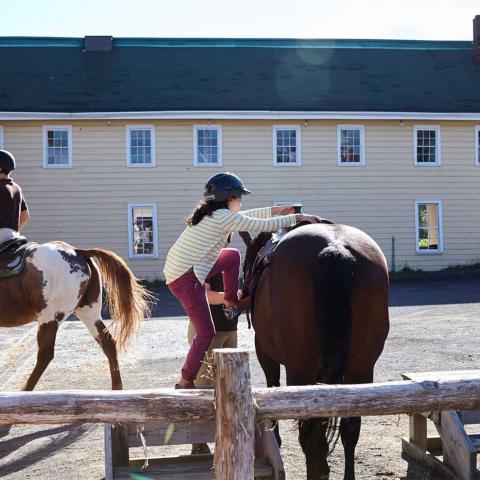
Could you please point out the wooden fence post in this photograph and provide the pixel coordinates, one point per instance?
(235, 438)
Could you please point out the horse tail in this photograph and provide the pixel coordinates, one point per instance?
(128, 301)
(335, 271)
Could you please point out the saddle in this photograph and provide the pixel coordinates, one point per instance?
(13, 256)
(263, 258)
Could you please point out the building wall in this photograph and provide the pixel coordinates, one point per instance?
(88, 204)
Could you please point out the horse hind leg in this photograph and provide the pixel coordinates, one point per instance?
(46, 335)
(313, 440)
(89, 312)
(349, 432)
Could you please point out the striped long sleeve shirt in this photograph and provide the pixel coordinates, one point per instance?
(199, 246)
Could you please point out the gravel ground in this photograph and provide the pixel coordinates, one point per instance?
(433, 327)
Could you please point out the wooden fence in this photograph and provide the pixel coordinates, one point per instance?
(236, 407)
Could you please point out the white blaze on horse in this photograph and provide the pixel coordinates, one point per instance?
(59, 280)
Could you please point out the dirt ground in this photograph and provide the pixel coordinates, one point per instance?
(434, 326)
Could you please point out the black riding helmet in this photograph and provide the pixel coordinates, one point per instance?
(7, 162)
(222, 186)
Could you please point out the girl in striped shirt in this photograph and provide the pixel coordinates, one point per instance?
(200, 253)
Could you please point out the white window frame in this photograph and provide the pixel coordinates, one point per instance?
(281, 203)
(2, 139)
(438, 146)
(128, 131)
(297, 129)
(46, 129)
(440, 228)
(477, 145)
(131, 253)
(356, 126)
(218, 128)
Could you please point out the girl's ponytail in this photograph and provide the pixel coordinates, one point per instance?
(203, 209)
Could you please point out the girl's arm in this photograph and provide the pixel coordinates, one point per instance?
(213, 297)
(264, 213)
(239, 222)
(269, 212)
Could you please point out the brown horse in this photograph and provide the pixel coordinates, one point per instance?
(59, 280)
(320, 308)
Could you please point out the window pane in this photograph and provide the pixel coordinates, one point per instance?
(207, 146)
(422, 215)
(428, 222)
(426, 146)
(350, 145)
(286, 146)
(141, 146)
(143, 240)
(57, 147)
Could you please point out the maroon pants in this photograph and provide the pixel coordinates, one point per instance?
(193, 297)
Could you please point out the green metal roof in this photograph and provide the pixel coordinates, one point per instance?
(41, 74)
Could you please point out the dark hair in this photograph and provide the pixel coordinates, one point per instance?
(204, 208)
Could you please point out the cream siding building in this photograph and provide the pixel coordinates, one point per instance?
(127, 180)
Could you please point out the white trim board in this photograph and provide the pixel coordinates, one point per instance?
(153, 206)
(218, 129)
(477, 145)
(240, 115)
(440, 228)
(438, 145)
(361, 129)
(128, 131)
(298, 145)
(62, 128)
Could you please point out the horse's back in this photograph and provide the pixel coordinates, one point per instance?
(313, 238)
(54, 275)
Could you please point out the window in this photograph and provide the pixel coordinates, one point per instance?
(286, 145)
(140, 146)
(207, 145)
(279, 203)
(57, 146)
(477, 145)
(142, 230)
(350, 145)
(427, 145)
(1, 138)
(428, 222)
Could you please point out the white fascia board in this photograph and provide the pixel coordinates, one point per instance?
(238, 115)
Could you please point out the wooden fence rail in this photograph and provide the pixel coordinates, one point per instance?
(237, 406)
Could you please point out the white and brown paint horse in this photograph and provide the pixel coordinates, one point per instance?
(60, 280)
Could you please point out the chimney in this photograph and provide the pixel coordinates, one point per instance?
(476, 36)
(99, 43)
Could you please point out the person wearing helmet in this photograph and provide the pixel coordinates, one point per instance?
(199, 253)
(13, 207)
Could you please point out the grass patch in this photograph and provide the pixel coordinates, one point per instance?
(409, 272)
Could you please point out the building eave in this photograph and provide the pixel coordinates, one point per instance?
(239, 115)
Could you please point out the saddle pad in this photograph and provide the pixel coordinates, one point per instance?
(16, 264)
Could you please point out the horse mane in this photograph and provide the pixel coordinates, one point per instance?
(253, 248)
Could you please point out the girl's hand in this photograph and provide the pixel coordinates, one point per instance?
(283, 210)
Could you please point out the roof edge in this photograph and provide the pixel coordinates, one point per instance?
(239, 115)
(74, 42)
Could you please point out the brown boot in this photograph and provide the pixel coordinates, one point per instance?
(188, 385)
